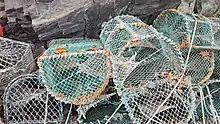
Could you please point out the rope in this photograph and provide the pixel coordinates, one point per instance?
(113, 113)
(184, 70)
(213, 110)
(68, 116)
(30, 63)
(46, 109)
(202, 105)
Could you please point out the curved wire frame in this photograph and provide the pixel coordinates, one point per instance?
(15, 59)
(27, 101)
(75, 72)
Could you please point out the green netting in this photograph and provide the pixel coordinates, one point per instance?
(102, 111)
(61, 41)
(153, 56)
(180, 27)
(211, 102)
(217, 65)
(62, 46)
(217, 14)
(200, 66)
(216, 30)
(75, 72)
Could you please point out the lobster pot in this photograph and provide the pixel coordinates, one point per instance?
(148, 91)
(180, 27)
(15, 59)
(210, 102)
(185, 29)
(75, 72)
(129, 39)
(163, 62)
(26, 101)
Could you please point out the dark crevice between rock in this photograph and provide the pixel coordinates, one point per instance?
(84, 30)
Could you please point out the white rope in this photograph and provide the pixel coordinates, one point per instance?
(184, 70)
(202, 105)
(213, 110)
(145, 114)
(68, 116)
(113, 113)
(46, 109)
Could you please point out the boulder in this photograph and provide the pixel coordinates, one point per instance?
(187, 6)
(83, 18)
(207, 7)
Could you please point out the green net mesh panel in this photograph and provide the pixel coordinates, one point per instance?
(217, 65)
(100, 113)
(217, 14)
(216, 31)
(75, 72)
(15, 58)
(26, 101)
(209, 106)
(71, 40)
(200, 66)
(180, 27)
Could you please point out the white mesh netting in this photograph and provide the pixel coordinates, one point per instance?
(26, 101)
(15, 59)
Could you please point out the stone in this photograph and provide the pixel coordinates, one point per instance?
(83, 18)
(1, 110)
(207, 7)
(187, 6)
